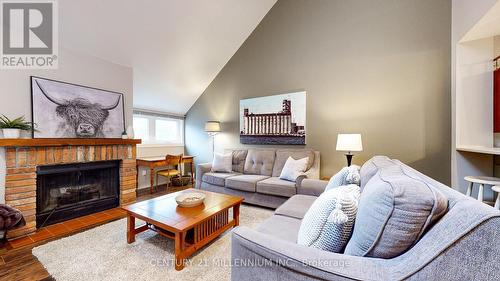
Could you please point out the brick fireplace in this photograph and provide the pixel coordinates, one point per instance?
(24, 156)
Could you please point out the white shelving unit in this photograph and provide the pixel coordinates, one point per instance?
(479, 149)
(473, 150)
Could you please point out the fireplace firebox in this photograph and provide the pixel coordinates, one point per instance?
(73, 190)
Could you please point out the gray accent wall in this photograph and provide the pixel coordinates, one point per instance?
(379, 67)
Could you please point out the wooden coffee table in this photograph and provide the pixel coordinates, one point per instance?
(191, 228)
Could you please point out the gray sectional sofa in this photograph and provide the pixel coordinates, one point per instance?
(255, 175)
(462, 245)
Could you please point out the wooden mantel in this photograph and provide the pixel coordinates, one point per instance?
(65, 142)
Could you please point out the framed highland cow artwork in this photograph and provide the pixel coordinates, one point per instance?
(277, 119)
(64, 110)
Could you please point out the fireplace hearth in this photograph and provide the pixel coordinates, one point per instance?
(72, 190)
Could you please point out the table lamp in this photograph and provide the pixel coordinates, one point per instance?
(212, 128)
(349, 143)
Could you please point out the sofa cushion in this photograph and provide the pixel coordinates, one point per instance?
(244, 182)
(281, 227)
(296, 206)
(239, 157)
(371, 167)
(276, 186)
(328, 223)
(283, 154)
(259, 162)
(395, 209)
(217, 178)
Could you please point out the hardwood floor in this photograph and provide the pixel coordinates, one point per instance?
(18, 263)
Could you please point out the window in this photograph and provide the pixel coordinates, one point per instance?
(141, 128)
(157, 129)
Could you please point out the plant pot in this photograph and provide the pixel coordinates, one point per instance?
(11, 133)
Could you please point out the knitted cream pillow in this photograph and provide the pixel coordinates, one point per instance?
(328, 223)
(347, 175)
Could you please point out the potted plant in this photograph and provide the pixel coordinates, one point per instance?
(12, 128)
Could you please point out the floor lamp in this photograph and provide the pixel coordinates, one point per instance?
(212, 128)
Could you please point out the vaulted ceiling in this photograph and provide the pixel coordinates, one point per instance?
(175, 47)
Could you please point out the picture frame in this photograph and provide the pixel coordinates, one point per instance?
(67, 110)
(276, 119)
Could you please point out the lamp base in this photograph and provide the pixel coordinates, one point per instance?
(349, 158)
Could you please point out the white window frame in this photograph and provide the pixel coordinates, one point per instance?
(152, 117)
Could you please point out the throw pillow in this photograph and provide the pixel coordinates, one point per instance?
(222, 162)
(395, 210)
(293, 168)
(347, 175)
(328, 223)
(239, 157)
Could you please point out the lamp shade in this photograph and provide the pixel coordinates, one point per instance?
(349, 142)
(212, 126)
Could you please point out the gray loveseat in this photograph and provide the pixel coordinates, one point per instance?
(462, 245)
(255, 175)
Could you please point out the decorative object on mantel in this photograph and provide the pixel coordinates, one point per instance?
(124, 135)
(65, 110)
(11, 129)
(349, 143)
(278, 119)
(130, 132)
(190, 199)
(212, 128)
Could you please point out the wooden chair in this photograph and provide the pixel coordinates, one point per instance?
(171, 161)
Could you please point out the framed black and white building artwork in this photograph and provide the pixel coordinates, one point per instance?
(277, 119)
(64, 110)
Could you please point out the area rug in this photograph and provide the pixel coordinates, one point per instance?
(102, 253)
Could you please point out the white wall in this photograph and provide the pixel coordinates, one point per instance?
(15, 94)
(496, 46)
(154, 151)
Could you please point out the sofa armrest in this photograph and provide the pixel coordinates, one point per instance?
(201, 169)
(313, 172)
(259, 256)
(313, 187)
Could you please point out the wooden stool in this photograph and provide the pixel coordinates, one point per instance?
(481, 181)
(496, 188)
